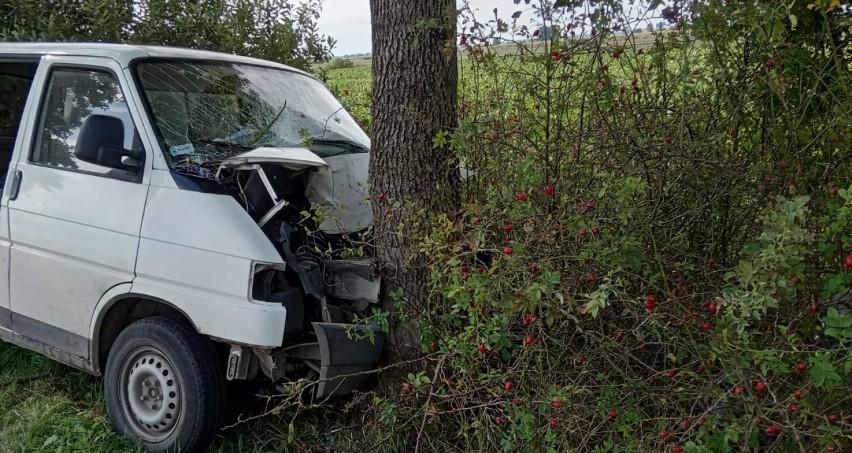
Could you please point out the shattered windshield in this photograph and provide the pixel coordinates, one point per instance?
(210, 111)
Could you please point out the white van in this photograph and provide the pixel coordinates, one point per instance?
(172, 219)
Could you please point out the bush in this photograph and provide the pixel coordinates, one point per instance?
(649, 249)
(341, 63)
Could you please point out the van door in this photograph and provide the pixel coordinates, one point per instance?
(75, 219)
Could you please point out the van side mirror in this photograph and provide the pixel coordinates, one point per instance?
(100, 141)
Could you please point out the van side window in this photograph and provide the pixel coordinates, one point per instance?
(86, 100)
(13, 93)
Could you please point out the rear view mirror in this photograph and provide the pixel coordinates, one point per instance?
(100, 141)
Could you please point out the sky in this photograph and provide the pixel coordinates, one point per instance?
(348, 21)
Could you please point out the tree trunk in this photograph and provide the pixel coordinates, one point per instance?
(415, 80)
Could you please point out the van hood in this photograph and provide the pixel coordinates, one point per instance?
(338, 184)
(289, 158)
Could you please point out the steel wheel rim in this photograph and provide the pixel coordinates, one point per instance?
(150, 394)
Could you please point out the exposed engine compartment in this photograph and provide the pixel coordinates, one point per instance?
(322, 288)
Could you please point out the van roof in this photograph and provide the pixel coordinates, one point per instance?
(125, 53)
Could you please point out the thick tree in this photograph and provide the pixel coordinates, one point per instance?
(415, 80)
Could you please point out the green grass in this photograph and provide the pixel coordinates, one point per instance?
(48, 407)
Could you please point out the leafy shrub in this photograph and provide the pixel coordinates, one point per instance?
(341, 63)
(652, 240)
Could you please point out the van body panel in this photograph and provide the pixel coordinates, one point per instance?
(230, 318)
(206, 222)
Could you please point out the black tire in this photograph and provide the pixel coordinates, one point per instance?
(163, 386)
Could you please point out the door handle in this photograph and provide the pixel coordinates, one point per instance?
(16, 184)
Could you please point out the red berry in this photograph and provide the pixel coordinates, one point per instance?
(797, 394)
(796, 280)
(832, 419)
(664, 434)
(582, 232)
(595, 230)
(582, 358)
(849, 262)
(652, 380)
(677, 449)
(521, 196)
(480, 269)
(508, 250)
(534, 269)
(548, 190)
(770, 64)
(381, 197)
(528, 319)
(619, 335)
(464, 269)
(554, 423)
(794, 408)
(801, 367)
(508, 227)
(671, 373)
(590, 205)
(643, 348)
(700, 368)
(529, 340)
(829, 448)
(387, 211)
(650, 299)
(407, 387)
(706, 327)
(791, 331)
(498, 420)
(555, 56)
(738, 390)
(760, 387)
(483, 349)
(613, 414)
(507, 386)
(592, 277)
(835, 190)
(700, 422)
(814, 308)
(687, 424)
(712, 308)
(773, 430)
(759, 420)
(556, 404)
(434, 346)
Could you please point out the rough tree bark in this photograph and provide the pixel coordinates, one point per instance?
(415, 80)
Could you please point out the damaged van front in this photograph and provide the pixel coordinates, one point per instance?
(277, 145)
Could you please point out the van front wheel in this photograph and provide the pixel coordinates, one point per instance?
(163, 386)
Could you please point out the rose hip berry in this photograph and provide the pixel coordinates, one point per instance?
(556, 404)
(773, 430)
(801, 367)
(760, 387)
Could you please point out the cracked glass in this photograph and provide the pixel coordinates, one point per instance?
(210, 111)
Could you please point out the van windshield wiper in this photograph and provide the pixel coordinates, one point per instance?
(342, 143)
(223, 144)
